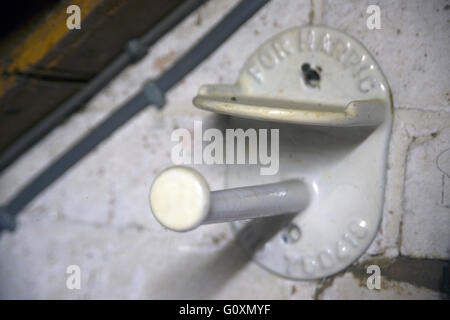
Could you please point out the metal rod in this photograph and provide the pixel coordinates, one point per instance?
(181, 200)
(258, 201)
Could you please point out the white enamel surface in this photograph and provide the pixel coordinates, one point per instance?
(180, 198)
(334, 136)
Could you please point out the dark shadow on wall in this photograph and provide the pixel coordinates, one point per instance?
(209, 278)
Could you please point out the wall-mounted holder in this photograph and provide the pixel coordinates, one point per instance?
(333, 108)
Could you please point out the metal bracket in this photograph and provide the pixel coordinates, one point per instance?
(333, 107)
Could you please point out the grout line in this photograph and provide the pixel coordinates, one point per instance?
(316, 12)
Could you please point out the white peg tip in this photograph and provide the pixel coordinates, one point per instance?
(180, 198)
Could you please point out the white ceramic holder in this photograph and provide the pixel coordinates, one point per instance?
(332, 105)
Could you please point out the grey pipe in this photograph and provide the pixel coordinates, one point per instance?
(134, 51)
(152, 93)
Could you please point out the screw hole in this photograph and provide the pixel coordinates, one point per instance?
(291, 234)
(311, 76)
(305, 67)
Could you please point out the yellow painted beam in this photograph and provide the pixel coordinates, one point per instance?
(41, 40)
